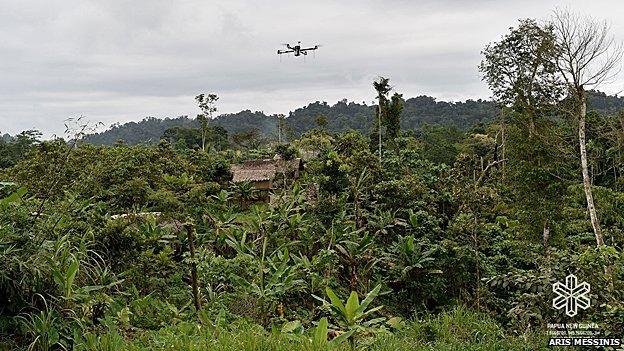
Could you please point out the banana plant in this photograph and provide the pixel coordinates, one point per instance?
(221, 200)
(216, 226)
(358, 257)
(242, 246)
(295, 331)
(15, 196)
(410, 258)
(319, 338)
(354, 316)
(383, 223)
(245, 193)
(359, 195)
(276, 277)
(315, 280)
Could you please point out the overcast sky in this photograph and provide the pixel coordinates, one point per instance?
(116, 61)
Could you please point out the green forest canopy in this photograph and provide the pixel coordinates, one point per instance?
(342, 116)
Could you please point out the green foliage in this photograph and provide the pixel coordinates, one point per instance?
(13, 197)
(520, 68)
(321, 121)
(13, 149)
(387, 113)
(42, 329)
(286, 151)
(455, 330)
(354, 317)
(440, 143)
(447, 218)
(250, 129)
(110, 341)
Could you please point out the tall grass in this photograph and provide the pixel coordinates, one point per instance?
(459, 329)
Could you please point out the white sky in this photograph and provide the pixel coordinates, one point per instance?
(116, 61)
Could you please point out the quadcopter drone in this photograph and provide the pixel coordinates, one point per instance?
(297, 49)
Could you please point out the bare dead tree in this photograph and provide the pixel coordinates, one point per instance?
(587, 57)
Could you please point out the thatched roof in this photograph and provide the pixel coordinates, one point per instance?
(266, 169)
(254, 171)
(296, 164)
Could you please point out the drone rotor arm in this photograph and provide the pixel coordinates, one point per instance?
(297, 50)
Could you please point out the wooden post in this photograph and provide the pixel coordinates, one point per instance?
(191, 243)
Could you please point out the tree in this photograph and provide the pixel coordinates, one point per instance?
(389, 109)
(520, 69)
(536, 172)
(382, 87)
(587, 57)
(321, 121)
(204, 129)
(183, 137)
(207, 103)
(286, 151)
(13, 149)
(219, 138)
(393, 116)
(281, 123)
(247, 140)
(440, 143)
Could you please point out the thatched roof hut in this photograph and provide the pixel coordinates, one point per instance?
(263, 172)
(260, 172)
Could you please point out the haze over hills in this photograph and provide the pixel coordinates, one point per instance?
(341, 116)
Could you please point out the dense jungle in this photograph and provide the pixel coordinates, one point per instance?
(317, 235)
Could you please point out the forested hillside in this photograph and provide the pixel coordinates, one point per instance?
(341, 116)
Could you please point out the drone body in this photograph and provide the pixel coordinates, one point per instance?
(297, 49)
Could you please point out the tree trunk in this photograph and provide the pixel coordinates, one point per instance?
(503, 138)
(475, 238)
(546, 237)
(356, 204)
(587, 186)
(379, 127)
(191, 243)
(546, 244)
